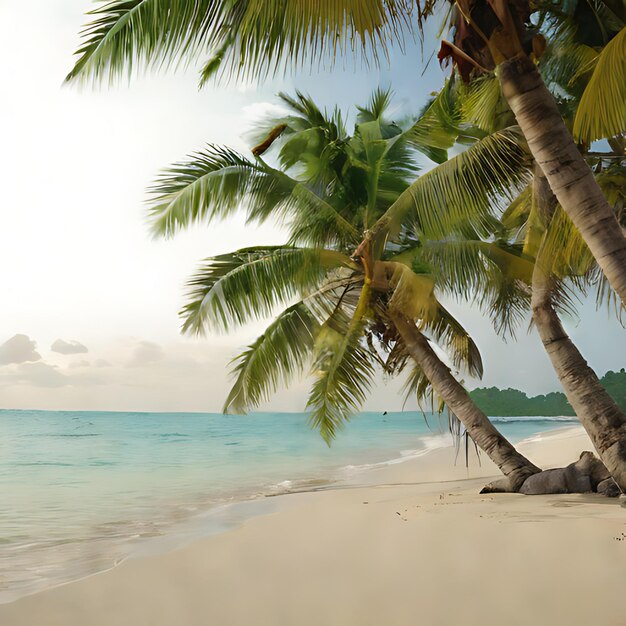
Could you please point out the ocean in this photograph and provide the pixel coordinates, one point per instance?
(81, 491)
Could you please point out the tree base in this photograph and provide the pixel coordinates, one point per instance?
(587, 475)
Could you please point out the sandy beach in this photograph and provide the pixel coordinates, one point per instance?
(404, 544)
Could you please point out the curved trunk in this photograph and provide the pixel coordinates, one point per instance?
(603, 420)
(601, 417)
(568, 174)
(513, 465)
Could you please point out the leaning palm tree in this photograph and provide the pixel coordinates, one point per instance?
(344, 314)
(551, 249)
(537, 267)
(562, 254)
(251, 38)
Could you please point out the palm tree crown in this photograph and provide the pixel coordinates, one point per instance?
(329, 188)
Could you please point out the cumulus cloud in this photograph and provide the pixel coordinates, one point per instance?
(18, 349)
(69, 347)
(39, 375)
(146, 353)
(102, 363)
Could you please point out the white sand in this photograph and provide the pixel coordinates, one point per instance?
(417, 545)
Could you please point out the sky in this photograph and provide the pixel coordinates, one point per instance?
(89, 300)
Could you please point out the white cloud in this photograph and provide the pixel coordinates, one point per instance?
(18, 349)
(146, 353)
(39, 375)
(68, 347)
(102, 363)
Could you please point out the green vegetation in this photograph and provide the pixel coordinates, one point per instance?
(513, 402)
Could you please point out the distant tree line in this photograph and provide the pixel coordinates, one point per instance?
(513, 402)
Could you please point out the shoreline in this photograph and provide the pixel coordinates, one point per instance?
(369, 513)
(216, 517)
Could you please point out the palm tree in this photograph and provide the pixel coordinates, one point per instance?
(536, 261)
(603, 420)
(248, 37)
(549, 240)
(508, 45)
(344, 315)
(578, 64)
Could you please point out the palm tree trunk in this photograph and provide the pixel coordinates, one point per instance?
(603, 420)
(568, 174)
(596, 410)
(513, 465)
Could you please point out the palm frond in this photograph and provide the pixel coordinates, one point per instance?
(154, 33)
(471, 187)
(602, 109)
(456, 341)
(317, 224)
(280, 353)
(343, 370)
(418, 387)
(376, 108)
(211, 184)
(217, 182)
(311, 218)
(516, 214)
(606, 297)
(232, 289)
(243, 38)
(482, 104)
(564, 253)
(437, 128)
(566, 63)
(494, 275)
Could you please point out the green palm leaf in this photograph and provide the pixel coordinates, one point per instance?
(343, 369)
(242, 37)
(417, 386)
(602, 109)
(214, 183)
(448, 333)
(413, 295)
(494, 275)
(232, 289)
(376, 108)
(516, 214)
(471, 187)
(209, 185)
(318, 225)
(483, 106)
(437, 128)
(563, 251)
(273, 359)
(156, 33)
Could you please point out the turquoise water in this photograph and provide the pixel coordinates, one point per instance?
(81, 490)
